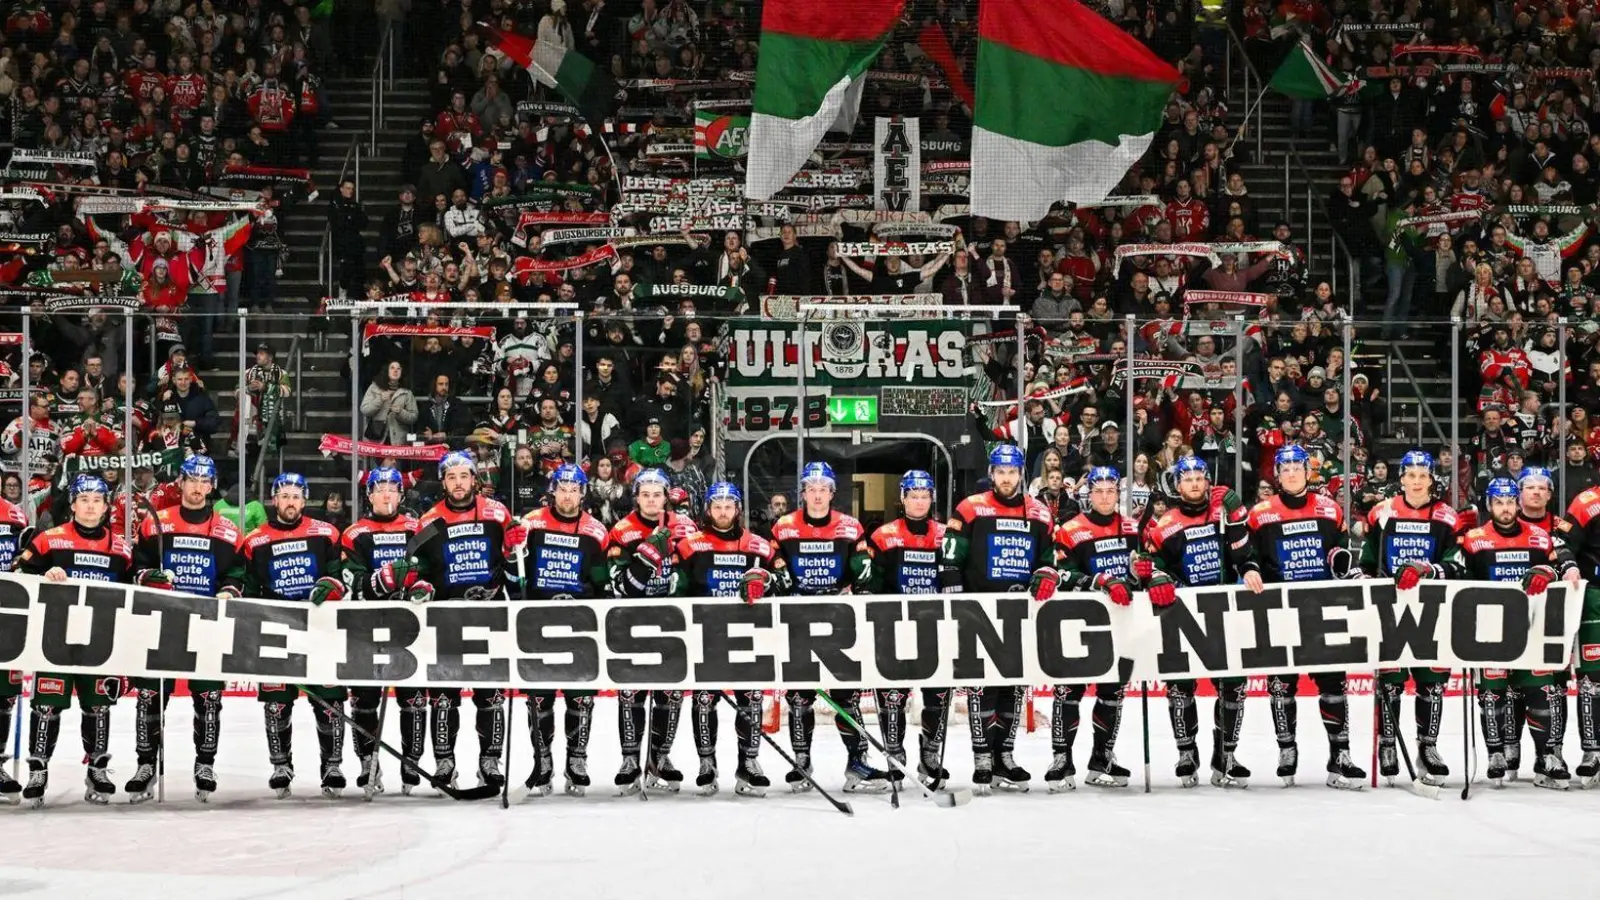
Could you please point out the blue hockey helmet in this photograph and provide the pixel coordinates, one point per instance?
(1187, 464)
(290, 479)
(199, 466)
(1502, 487)
(1102, 473)
(385, 475)
(567, 473)
(819, 473)
(1420, 459)
(652, 476)
(455, 459)
(915, 480)
(1535, 473)
(89, 484)
(1293, 453)
(724, 490)
(1006, 455)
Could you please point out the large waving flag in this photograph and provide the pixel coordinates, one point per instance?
(813, 57)
(588, 88)
(1067, 103)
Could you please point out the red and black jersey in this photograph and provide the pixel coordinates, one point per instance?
(1089, 544)
(13, 525)
(1546, 521)
(1002, 540)
(282, 562)
(1291, 537)
(904, 556)
(90, 554)
(630, 531)
(467, 560)
(822, 555)
(1200, 544)
(186, 91)
(370, 543)
(1398, 531)
(200, 547)
(1492, 553)
(1580, 530)
(1189, 220)
(566, 555)
(714, 562)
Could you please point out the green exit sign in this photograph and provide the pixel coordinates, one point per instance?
(853, 411)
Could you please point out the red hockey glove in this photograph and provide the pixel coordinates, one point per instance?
(395, 575)
(419, 592)
(1163, 592)
(753, 586)
(1115, 588)
(1043, 584)
(1411, 572)
(516, 539)
(160, 579)
(1142, 566)
(1537, 579)
(327, 588)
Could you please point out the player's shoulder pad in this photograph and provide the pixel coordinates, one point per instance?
(850, 528)
(355, 532)
(1539, 538)
(1476, 539)
(758, 545)
(1444, 512)
(495, 511)
(14, 514)
(626, 530)
(1035, 509)
(693, 542)
(1068, 533)
(787, 526)
(319, 528)
(225, 529)
(1326, 506)
(121, 547)
(972, 507)
(589, 525)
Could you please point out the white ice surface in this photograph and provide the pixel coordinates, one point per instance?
(1304, 843)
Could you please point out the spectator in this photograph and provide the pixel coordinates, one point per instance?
(347, 219)
(651, 450)
(199, 413)
(389, 407)
(444, 418)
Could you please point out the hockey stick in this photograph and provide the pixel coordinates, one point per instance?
(161, 684)
(511, 694)
(784, 754)
(383, 714)
(481, 792)
(943, 799)
(1419, 787)
(1144, 714)
(1469, 746)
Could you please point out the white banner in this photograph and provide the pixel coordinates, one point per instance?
(848, 641)
(897, 163)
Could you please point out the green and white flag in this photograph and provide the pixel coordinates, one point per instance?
(720, 135)
(1305, 77)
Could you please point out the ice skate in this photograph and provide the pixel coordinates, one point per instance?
(370, 781)
(38, 781)
(1496, 772)
(205, 782)
(1434, 771)
(332, 780)
(861, 778)
(1008, 776)
(1550, 771)
(1104, 772)
(1226, 772)
(930, 770)
(748, 780)
(1288, 764)
(706, 781)
(982, 774)
(1344, 774)
(1058, 778)
(410, 775)
(447, 772)
(577, 776)
(1588, 770)
(1388, 763)
(279, 781)
(1188, 765)
(141, 786)
(489, 772)
(538, 783)
(1513, 761)
(97, 782)
(661, 774)
(10, 788)
(628, 780)
(799, 778)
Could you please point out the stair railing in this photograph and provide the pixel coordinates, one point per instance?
(325, 260)
(382, 80)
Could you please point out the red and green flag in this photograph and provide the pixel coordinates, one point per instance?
(553, 65)
(1066, 104)
(1305, 77)
(813, 59)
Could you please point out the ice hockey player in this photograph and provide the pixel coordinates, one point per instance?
(1510, 550)
(1198, 542)
(191, 549)
(467, 561)
(1300, 536)
(643, 554)
(724, 559)
(1579, 530)
(87, 549)
(565, 558)
(904, 559)
(998, 540)
(14, 535)
(821, 547)
(1093, 552)
(293, 557)
(377, 538)
(1408, 537)
(1536, 488)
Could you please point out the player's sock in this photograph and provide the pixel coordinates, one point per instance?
(1183, 714)
(490, 722)
(280, 732)
(802, 720)
(1429, 709)
(364, 712)
(666, 708)
(1065, 712)
(892, 721)
(1229, 716)
(1106, 719)
(446, 723)
(207, 726)
(147, 726)
(705, 718)
(43, 731)
(630, 723)
(1285, 712)
(579, 721)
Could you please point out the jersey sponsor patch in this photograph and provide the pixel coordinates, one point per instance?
(726, 560)
(464, 529)
(1199, 531)
(1509, 565)
(1305, 527)
(193, 571)
(817, 568)
(1412, 527)
(279, 548)
(558, 566)
(722, 579)
(386, 538)
(1398, 548)
(95, 560)
(291, 575)
(466, 559)
(1010, 524)
(1202, 558)
(189, 542)
(920, 556)
(1302, 558)
(1591, 652)
(1009, 557)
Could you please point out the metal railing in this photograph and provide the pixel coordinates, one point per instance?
(382, 81)
(325, 261)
